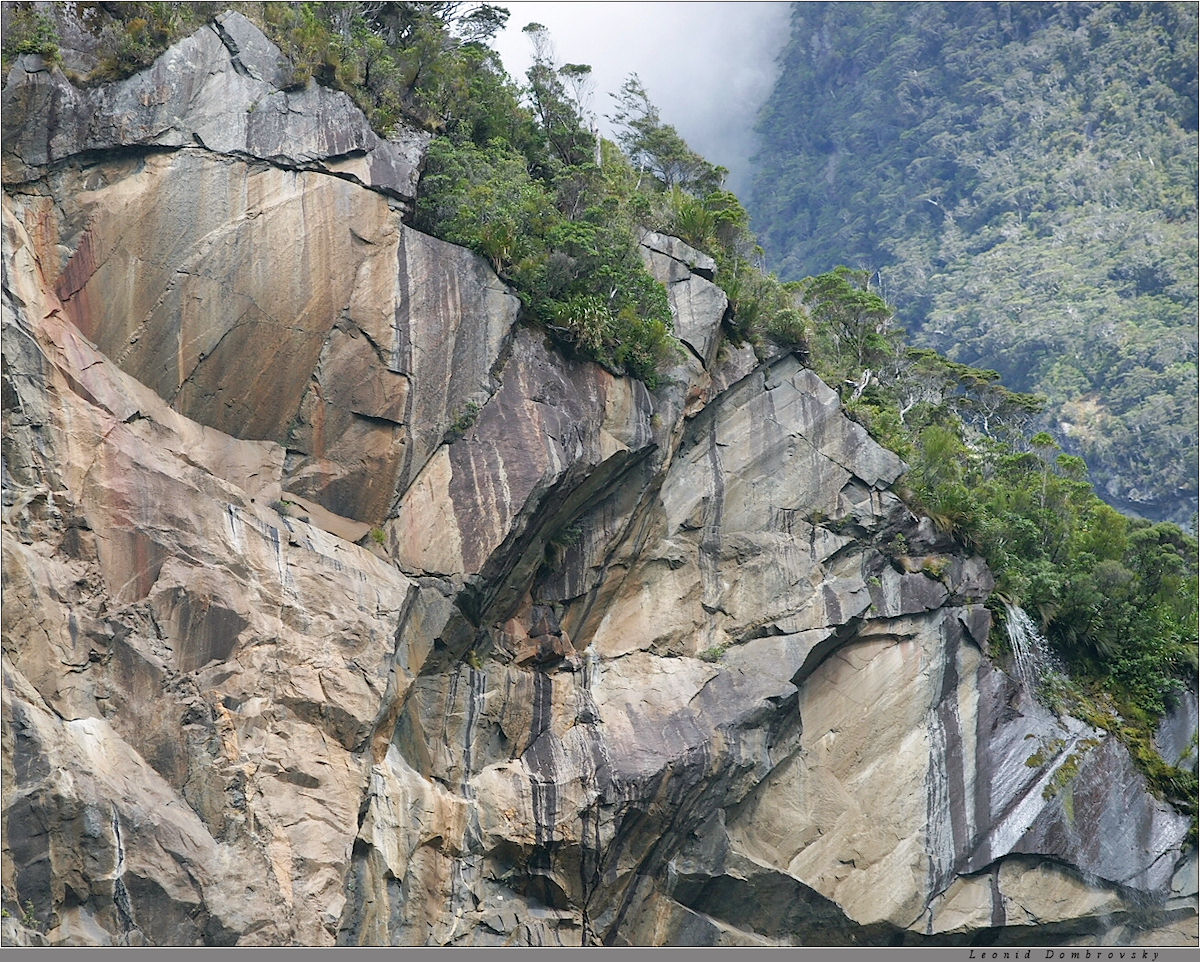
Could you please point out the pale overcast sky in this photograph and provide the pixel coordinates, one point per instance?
(707, 66)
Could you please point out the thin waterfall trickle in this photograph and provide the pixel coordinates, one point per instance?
(1033, 660)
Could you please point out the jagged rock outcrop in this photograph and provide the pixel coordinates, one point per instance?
(226, 89)
(341, 608)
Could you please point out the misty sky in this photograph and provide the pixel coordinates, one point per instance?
(707, 66)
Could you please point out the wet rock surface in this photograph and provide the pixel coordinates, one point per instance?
(340, 609)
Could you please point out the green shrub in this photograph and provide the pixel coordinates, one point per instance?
(466, 417)
(29, 31)
(787, 328)
(576, 269)
(133, 35)
(586, 321)
(691, 220)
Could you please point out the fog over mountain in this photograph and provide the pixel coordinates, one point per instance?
(707, 66)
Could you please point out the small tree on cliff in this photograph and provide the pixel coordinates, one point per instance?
(655, 146)
(855, 320)
(558, 96)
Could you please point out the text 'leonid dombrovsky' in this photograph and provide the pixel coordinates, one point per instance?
(1066, 955)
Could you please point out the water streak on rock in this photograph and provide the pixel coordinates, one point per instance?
(1033, 659)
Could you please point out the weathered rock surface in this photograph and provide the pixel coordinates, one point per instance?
(1176, 735)
(687, 273)
(340, 610)
(357, 348)
(225, 89)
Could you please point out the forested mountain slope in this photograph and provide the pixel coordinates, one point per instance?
(1023, 178)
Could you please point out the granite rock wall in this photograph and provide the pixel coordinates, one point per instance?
(341, 608)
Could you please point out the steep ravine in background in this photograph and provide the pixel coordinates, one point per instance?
(298, 652)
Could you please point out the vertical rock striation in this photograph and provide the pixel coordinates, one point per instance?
(340, 608)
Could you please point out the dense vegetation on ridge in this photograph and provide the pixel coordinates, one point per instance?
(1022, 176)
(515, 172)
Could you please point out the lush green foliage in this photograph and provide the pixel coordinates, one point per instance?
(1117, 596)
(1023, 177)
(520, 177)
(399, 61)
(523, 187)
(27, 30)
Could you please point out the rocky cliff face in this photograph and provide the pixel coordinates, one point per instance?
(340, 608)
